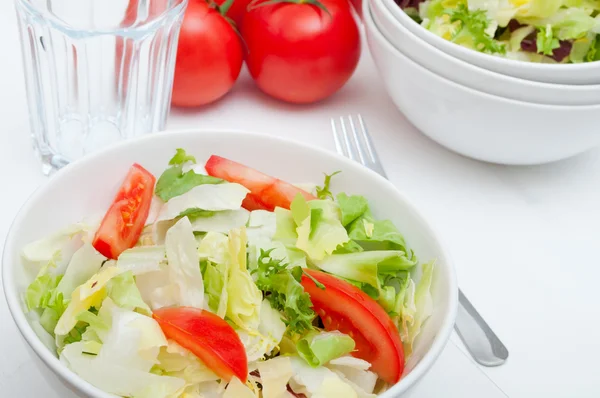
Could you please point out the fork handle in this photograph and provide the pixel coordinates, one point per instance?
(481, 341)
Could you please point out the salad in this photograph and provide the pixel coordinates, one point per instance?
(225, 282)
(544, 31)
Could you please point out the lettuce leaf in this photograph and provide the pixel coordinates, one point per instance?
(355, 372)
(124, 292)
(84, 263)
(324, 192)
(237, 389)
(375, 268)
(318, 348)
(175, 182)
(59, 247)
(129, 349)
(176, 361)
(221, 221)
(317, 382)
(351, 207)
(274, 375)
(284, 292)
(244, 297)
(115, 378)
(140, 260)
(262, 225)
(285, 229)
(90, 294)
(417, 307)
(44, 295)
(187, 286)
(319, 228)
(202, 198)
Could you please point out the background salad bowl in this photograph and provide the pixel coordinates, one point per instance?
(470, 75)
(87, 187)
(571, 74)
(476, 123)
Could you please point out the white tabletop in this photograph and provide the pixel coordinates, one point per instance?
(523, 239)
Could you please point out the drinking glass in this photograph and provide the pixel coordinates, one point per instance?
(96, 71)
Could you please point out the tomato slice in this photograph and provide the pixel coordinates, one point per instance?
(251, 202)
(124, 221)
(208, 337)
(346, 308)
(269, 191)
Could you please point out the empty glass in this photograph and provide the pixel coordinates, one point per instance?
(96, 71)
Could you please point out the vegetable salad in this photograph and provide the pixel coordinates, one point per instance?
(226, 282)
(544, 31)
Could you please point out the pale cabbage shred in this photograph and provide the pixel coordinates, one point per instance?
(123, 350)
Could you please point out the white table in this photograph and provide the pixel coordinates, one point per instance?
(524, 240)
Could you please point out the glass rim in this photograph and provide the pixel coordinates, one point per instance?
(174, 10)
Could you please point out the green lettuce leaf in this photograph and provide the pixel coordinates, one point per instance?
(285, 229)
(457, 22)
(594, 51)
(244, 297)
(125, 293)
(319, 228)
(318, 348)
(285, 293)
(43, 290)
(88, 295)
(324, 192)
(564, 24)
(214, 256)
(364, 230)
(374, 272)
(129, 349)
(417, 307)
(546, 42)
(351, 207)
(45, 296)
(174, 182)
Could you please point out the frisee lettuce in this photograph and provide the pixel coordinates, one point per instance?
(323, 192)
(285, 293)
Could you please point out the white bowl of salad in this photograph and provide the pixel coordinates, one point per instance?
(149, 270)
(475, 123)
(465, 73)
(541, 40)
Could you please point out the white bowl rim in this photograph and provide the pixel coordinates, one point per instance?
(12, 295)
(403, 18)
(531, 84)
(470, 90)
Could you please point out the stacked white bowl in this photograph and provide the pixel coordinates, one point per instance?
(479, 105)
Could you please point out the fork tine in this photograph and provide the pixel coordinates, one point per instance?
(349, 146)
(366, 137)
(336, 138)
(357, 143)
(367, 140)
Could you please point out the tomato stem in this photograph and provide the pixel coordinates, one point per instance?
(223, 8)
(260, 3)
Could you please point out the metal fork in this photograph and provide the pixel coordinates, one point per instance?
(352, 140)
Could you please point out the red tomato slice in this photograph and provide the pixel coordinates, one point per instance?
(123, 223)
(208, 337)
(251, 202)
(269, 191)
(346, 308)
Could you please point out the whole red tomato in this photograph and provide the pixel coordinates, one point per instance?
(298, 52)
(209, 56)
